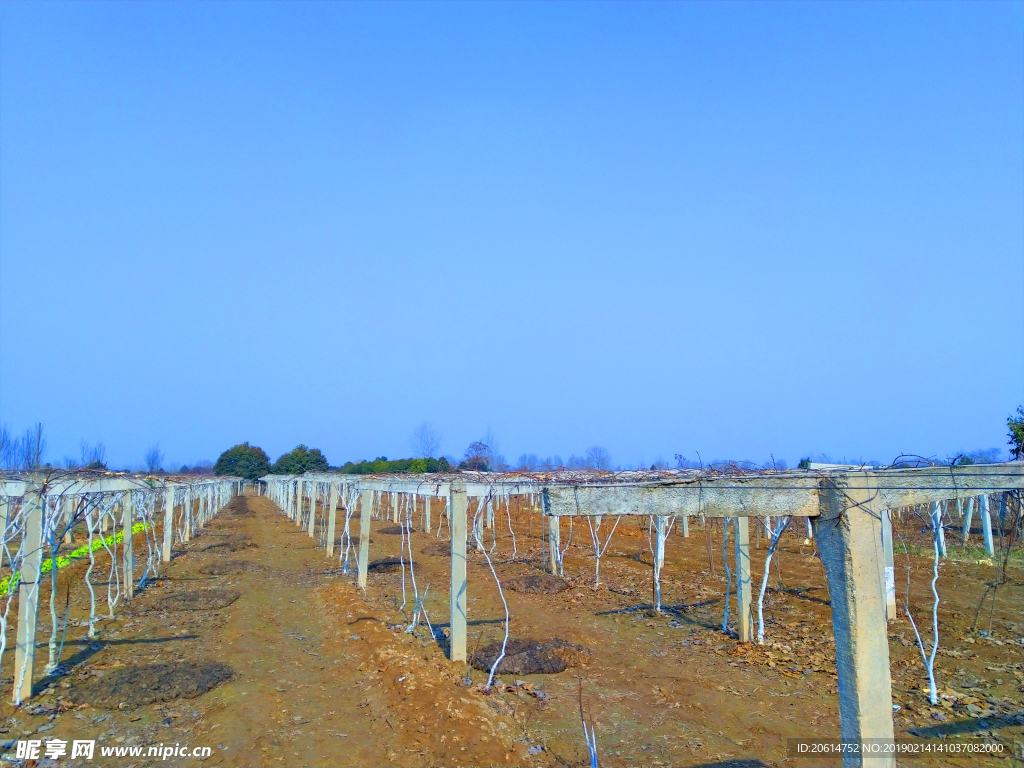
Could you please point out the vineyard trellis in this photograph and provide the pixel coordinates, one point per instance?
(849, 514)
(39, 514)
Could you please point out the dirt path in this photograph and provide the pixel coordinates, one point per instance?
(323, 680)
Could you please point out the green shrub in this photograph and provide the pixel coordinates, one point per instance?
(381, 465)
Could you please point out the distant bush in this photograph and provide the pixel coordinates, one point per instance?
(381, 465)
(300, 459)
(243, 460)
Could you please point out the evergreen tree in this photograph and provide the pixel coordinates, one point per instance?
(244, 460)
(300, 459)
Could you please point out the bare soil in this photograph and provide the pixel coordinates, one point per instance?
(529, 657)
(193, 600)
(230, 568)
(142, 684)
(536, 584)
(325, 675)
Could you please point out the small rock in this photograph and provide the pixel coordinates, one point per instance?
(45, 727)
(939, 716)
(354, 637)
(536, 749)
(467, 681)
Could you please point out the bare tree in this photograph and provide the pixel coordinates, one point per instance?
(494, 461)
(154, 458)
(38, 447)
(426, 441)
(93, 456)
(599, 458)
(26, 452)
(477, 456)
(6, 447)
(529, 462)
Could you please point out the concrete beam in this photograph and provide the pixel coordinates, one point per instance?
(722, 497)
(785, 493)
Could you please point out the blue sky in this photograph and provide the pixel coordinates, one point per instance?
(725, 228)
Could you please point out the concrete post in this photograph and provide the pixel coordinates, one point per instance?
(889, 575)
(188, 514)
(314, 491)
(986, 525)
(168, 523)
(457, 592)
(394, 507)
(332, 513)
(478, 525)
(741, 537)
(298, 503)
(684, 526)
(489, 515)
(67, 517)
(363, 562)
(968, 518)
(426, 514)
(848, 531)
(554, 542)
(127, 519)
(28, 596)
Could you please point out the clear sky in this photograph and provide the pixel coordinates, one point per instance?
(725, 228)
